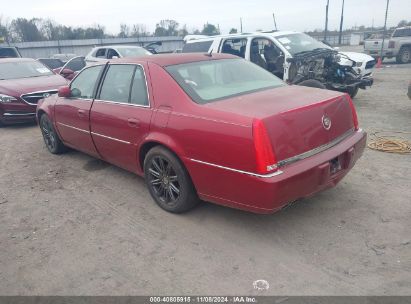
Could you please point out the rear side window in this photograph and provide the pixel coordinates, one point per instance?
(197, 47)
(125, 83)
(84, 84)
(139, 89)
(117, 83)
(235, 46)
(8, 52)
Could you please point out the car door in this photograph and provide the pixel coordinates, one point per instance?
(120, 115)
(72, 114)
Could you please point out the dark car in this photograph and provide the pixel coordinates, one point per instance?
(9, 52)
(23, 82)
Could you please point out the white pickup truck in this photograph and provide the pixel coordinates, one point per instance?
(294, 57)
(398, 46)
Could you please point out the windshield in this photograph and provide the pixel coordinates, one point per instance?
(299, 42)
(23, 69)
(208, 81)
(133, 52)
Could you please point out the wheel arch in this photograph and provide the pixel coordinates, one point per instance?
(159, 139)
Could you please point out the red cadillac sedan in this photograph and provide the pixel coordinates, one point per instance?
(23, 81)
(211, 127)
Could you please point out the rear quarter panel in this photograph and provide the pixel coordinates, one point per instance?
(193, 131)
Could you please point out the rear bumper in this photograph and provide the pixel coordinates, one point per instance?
(271, 193)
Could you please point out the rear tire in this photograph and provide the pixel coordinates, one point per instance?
(168, 181)
(404, 56)
(50, 136)
(312, 83)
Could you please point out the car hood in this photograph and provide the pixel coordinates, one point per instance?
(17, 87)
(357, 57)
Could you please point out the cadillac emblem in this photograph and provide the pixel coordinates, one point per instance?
(326, 122)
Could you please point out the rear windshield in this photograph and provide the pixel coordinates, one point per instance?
(133, 52)
(402, 32)
(197, 47)
(8, 52)
(208, 81)
(23, 69)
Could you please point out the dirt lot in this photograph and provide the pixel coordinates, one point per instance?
(71, 225)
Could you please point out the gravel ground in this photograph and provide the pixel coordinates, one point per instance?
(72, 225)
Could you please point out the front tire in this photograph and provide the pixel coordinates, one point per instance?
(168, 181)
(50, 136)
(404, 56)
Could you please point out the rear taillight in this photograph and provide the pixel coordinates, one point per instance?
(265, 157)
(391, 44)
(354, 113)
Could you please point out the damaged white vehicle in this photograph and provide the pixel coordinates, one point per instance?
(295, 57)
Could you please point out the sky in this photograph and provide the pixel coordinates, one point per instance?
(299, 15)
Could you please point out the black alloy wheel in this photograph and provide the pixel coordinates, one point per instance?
(168, 181)
(51, 139)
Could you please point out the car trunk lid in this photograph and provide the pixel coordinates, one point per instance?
(296, 118)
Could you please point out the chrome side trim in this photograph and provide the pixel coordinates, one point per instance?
(122, 103)
(52, 92)
(238, 171)
(19, 114)
(112, 138)
(74, 128)
(317, 150)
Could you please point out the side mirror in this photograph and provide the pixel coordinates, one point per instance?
(67, 73)
(64, 91)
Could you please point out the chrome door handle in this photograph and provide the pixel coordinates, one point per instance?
(132, 122)
(81, 113)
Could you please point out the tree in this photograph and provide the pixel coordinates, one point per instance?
(4, 29)
(26, 30)
(233, 31)
(210, 29)
(139, 30)
(402, 23)
(166, 28)
(124, 31)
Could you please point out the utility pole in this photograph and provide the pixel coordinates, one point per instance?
(341, 23)
(241, 25)
(385, 29)
(326, 20)
(275, 23)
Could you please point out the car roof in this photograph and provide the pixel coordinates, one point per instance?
(2, 60)
(117, 46)
(173, 59)
(253, 34)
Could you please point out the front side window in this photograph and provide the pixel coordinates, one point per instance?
(234, 46)
(101, 53)
(84, 84)
(23, 69)
(212, 80)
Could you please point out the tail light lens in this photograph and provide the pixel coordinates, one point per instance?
(354, 113)
(265, 157)
(391, 44)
